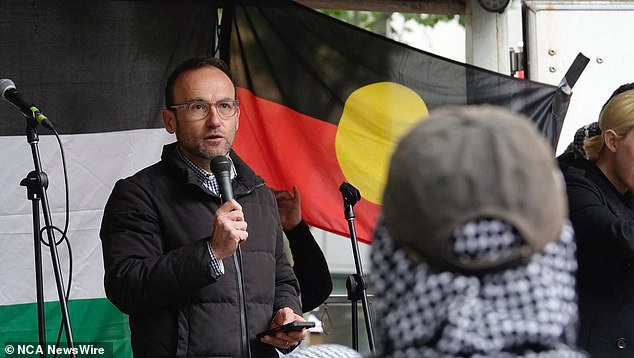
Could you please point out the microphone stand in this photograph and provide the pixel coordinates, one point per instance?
(356, 284)
(36, 183)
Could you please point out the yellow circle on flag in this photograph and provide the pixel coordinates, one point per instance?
(374, 118)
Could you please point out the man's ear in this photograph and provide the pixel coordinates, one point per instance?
(169, 120)
(611, 140)
(238, 119)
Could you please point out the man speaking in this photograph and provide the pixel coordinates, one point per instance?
(198, 274)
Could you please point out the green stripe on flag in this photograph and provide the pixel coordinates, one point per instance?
(92, 320)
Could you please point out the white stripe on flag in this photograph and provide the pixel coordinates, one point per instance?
(94, 162)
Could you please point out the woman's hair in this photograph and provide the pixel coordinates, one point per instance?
(617, 115)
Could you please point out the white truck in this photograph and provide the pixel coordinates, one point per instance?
(556, 31)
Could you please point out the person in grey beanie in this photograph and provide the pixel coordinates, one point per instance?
(474, 255)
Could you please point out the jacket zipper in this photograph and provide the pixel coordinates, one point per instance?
(242, 305)
(237, 262)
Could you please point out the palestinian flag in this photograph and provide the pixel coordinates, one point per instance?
(96, 69)
(323, 103)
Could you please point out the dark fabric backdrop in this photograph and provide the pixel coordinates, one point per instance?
(94, 65)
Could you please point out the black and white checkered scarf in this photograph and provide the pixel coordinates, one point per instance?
(576, 146)
(528, 311)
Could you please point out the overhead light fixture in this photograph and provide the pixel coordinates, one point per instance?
(494, 5)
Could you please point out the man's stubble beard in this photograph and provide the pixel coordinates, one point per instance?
(205, 153)
(198, 149)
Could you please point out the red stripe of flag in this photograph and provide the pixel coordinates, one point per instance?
(289, 148)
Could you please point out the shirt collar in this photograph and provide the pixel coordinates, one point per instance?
(207, 179)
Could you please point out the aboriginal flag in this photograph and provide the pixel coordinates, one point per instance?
(323, 103)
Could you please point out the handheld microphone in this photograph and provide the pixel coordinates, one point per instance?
(30, 111)
(221, 168)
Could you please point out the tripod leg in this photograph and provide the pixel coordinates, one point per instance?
(39, 283)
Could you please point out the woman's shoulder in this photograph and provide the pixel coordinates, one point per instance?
(581, 171)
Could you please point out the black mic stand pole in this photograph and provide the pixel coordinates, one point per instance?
(356, 284)
(36, 183)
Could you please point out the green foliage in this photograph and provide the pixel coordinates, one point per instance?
(368, 20)
(430, 19)
(378, 21)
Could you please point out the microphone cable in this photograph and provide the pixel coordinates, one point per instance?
(64, 232)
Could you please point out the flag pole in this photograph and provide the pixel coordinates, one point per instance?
(226, 21)
(355, 283)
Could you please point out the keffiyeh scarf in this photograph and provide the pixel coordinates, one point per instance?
(527, 311)
(576, 146)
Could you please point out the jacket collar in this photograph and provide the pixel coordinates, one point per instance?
(244, 182)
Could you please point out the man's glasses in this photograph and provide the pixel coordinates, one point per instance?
(198, 110)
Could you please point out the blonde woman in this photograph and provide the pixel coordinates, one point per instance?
(601, 210)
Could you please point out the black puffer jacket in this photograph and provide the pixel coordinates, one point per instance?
(154, 233)
(603, 220)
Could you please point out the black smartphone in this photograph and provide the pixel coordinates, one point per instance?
(292, 326)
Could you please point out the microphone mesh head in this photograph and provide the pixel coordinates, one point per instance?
(6, 84)
(220, 164)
